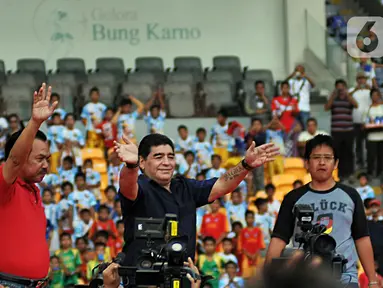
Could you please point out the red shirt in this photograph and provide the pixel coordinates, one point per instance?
(363, 280)
(284, 107)
(108, 226)
(109, 132)
(23, 246)
(214, 225)
(251, 240)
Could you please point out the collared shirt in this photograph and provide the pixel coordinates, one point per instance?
(155, 201)
(23, 247)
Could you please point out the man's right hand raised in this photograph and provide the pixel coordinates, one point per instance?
(127, 152)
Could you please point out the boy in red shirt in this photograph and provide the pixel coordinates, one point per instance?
(104, 224)
(215, 224)
(119, 242)
(108, 130)
(250, 243)
(285, 107)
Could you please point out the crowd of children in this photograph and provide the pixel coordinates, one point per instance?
(85, 224)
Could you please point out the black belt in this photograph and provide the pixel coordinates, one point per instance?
(24, 281)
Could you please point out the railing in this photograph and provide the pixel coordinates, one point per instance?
(329, 50)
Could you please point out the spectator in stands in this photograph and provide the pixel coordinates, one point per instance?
(108, 131)
(368, 67)
(114, 169)
(203, 148)
(365, 191)
(227, 254)
(50, 207)
(93, 179)
(184, 142)
(375, 227)
(117, 212)
(257, 105)
(83, 224)
(210, 263)
(222, 143)
(216, 170)
(110, 197)
(274, 134)
(215, 224)
(103, 223)
(100, 256)
(250, 244)
(310, 132)
(81, 198)
(156, 114)
(125, 117)
(375, 134)
(119, 241)
(56, 273)
(274, 204)
(329, 199)
(236, 208)
(15, 124)
(190, 168)
(265, 221)
(55, 97)
(297, 184)
(75, 137)
(301, 85)
(56, 140)
(230, 278)
(361, 94)
(341, 104)
(257, 134)
(64, 216)
(68, 171)
(92, 114)
(70, 260)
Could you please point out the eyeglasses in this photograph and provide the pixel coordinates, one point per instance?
(326, 158)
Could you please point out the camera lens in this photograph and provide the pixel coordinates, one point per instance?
(324, 244)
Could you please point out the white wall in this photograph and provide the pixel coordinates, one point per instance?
(300, 35)
(214, 27)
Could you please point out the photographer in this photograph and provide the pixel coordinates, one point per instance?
(335, 205)
(156, 192)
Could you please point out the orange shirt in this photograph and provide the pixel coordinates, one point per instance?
(214, 225)
(103, 225)
(251, 240)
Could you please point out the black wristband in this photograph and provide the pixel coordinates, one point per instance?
(132, 166)
(246, 166)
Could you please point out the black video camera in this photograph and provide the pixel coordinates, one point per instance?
(159, 264)
(314, 241)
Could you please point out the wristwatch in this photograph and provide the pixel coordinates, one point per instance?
(132, 166)
(373, 283)
(245, 165)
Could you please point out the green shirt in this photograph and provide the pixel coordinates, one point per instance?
(212, 268)
(57, 279)
(71, 260)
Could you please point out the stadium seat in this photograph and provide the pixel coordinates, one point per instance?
(24, 79)
(141, 91)
(220, 76)
(74, 66)
(180, 93)
(181, 77)
(151, 64)
(189, 64)
(36, 67)
(2, 72)
(112, 65)
(143, 78)
(100, 165)
(229, 63)
(18, 99)
(104, 183)
(92, 153)
(283, 182)
(67, 95)
(67, 79)
(218, 94)
(107, 93)
(295, 166)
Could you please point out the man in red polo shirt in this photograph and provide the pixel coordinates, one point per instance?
(24, 254)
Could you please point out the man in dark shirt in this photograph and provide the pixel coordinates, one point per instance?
(156, 192)
(341, 105)
(337, 206)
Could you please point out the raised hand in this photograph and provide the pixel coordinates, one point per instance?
(127, 152)
(257, 156)
(41, 108)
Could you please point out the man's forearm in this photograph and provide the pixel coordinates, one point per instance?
(366, 256)
(128, 182)
(275, 249)
(228, 182)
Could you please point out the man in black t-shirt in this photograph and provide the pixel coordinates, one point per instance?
(337, 206)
